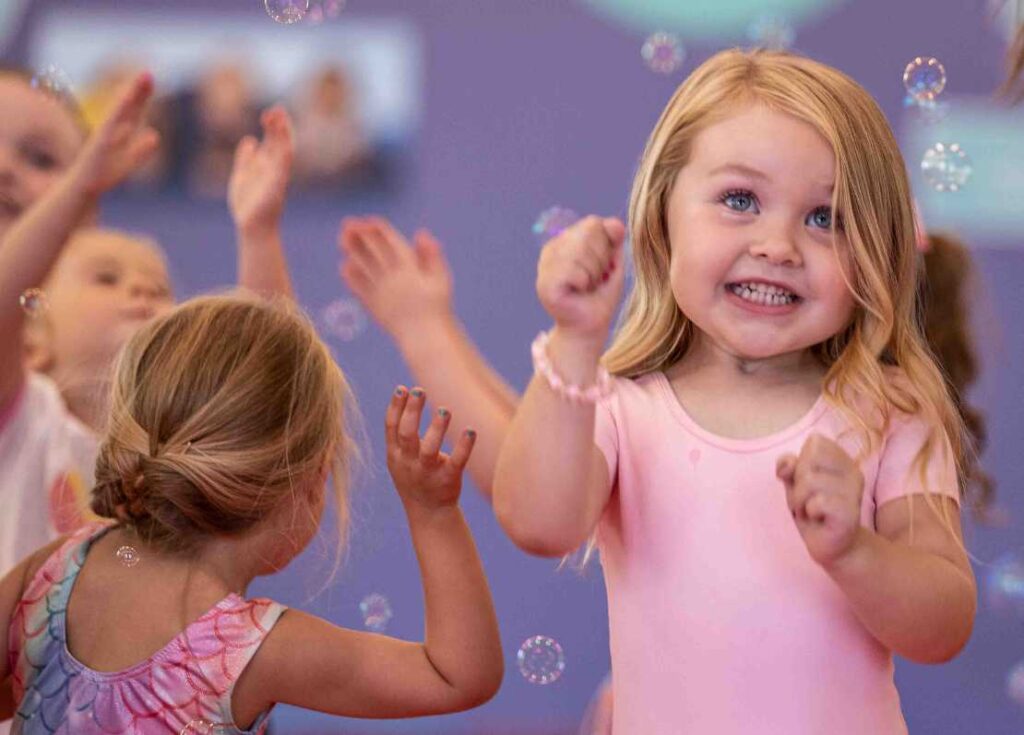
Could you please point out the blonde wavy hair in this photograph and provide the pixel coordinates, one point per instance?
(872, 197)
(224, 412)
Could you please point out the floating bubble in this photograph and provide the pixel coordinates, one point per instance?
(376, 612)
(772, 32)
(946, 167)
(344, 319)
(924, 78)
(286, 12)
(663, 52)
(1015, 683)
(541, 660)
(128, 556)
(553, 220)
(1006, 584)
(33, 301)
(53, 80)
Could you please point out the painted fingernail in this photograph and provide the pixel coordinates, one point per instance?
(471, 433)
(417, 393)
(399, 392)
(443, 413)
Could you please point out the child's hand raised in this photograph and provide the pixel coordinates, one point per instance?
(120, 145)
(404, 286)
(580, 276)
(424, 475)
(823, 490)
(260, 174)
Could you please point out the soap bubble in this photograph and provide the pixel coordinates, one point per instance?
(663, 52)
(541, 660)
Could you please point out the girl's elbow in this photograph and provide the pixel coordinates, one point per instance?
(531, 536)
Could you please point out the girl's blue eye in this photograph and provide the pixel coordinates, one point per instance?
(822, 218)
(739, 201)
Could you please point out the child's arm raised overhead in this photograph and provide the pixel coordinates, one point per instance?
(909, 582)
(552, 481)
(256, 197)
(409, 292)
(308, 662)
(32, 245)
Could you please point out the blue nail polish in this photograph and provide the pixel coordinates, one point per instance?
(417, 393)
(471, 433)
(443, 413)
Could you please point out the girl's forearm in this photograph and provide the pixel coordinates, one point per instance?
(462, 640)
(262, 266)
(916, 603)
(548, 490)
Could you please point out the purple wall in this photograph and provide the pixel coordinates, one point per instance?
(530, 103)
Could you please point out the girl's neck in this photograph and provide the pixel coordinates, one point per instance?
(222, 566)
(710, 363)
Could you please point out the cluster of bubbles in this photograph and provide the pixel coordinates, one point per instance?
(946, 167)
(33, 301)
(344, 319)
(289, 12)
(553, 220)
(376, 612)
(541, 660)
(663, 52)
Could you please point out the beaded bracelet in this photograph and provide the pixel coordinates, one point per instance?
(542, 366)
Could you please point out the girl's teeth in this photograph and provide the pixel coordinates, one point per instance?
(763, 294)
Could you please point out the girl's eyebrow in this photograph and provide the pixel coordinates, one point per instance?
(739, 168)
(753, 173)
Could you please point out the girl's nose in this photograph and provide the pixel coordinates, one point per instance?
(777, 248)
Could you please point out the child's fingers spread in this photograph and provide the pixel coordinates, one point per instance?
(387, 245)
(409, 423)
(429, 252)
(394, 413)
(362, 248)
(434, 436)
(463, 449)
(358, 281)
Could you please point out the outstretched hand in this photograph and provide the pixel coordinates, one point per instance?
(260, 174)
(121, 144)
(424, 475)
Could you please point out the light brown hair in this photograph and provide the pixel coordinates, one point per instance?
(223, 412)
